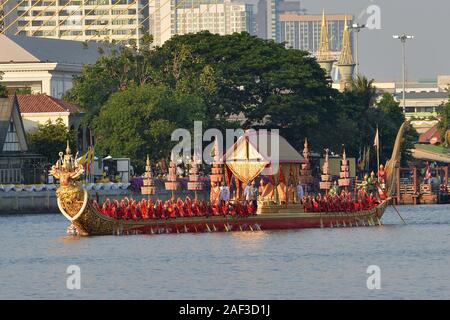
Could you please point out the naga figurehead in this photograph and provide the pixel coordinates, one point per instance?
(70, 194)
(394, 162)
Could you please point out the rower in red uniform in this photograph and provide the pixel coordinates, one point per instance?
(143, 208)
(181, 209)
(189, 210)
(225, 208)
(215, 209)
(250, 208)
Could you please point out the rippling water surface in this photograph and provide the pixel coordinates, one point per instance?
(298, 264)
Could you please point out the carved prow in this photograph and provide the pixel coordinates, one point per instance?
(394, 161)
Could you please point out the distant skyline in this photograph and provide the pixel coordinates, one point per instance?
(380, 54)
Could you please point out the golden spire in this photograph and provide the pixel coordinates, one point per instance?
(68, 148)
(323, 53)
(346, 57)
(306, 150)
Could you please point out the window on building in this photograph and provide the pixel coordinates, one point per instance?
(12, 140)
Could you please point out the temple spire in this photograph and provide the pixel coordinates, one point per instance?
(324, 48)
(324, 57)
(346, 57)
(346, 63)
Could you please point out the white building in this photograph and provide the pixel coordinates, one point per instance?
(43, 65)
(423, 99)
(122, 21)
(222, 17)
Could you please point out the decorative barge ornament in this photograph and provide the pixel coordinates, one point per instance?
(148, 187)
(344, 175)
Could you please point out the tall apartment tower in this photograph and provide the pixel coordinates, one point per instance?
(173, 17)
(268, 14)
(303, 31)
(7, 15)
(121, 21)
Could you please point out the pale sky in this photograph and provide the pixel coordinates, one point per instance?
(380, 55)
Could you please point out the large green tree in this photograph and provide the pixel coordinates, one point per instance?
(392, 117)
(259, 81)
(238, 76)
(444, 120)
(369, 111)
(51, 138)
(139, 121)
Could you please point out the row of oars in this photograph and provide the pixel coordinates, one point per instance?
(356, 223)
(207, 228)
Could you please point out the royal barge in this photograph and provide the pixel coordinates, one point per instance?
(87, 218)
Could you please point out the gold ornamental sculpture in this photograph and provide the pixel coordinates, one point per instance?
(305, 177)
(70, 193)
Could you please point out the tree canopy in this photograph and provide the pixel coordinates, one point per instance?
(139, 121)
(134, 98)
(49, 138)
(444, 120)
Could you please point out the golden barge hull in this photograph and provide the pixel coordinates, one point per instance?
(90, 222)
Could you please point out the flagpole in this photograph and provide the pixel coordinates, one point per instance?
(378, 149)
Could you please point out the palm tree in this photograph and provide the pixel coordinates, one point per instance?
(363, 88)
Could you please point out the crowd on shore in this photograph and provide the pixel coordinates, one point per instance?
(130, 209)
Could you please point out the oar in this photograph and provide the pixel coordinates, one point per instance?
(393, 206)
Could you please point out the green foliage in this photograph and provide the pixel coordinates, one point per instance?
(139, 121)
(51, 138)
(360, 104)
(26, 90)
(3, 92)
(444, 120)
(134, 98)
(393, 118)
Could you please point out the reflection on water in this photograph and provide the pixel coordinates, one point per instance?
(305, 264)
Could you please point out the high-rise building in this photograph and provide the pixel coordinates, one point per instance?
(121, 21)
(267, 17)
(6, 13)
(181, 17)
(303, 32)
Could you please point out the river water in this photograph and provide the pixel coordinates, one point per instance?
(414, 261)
